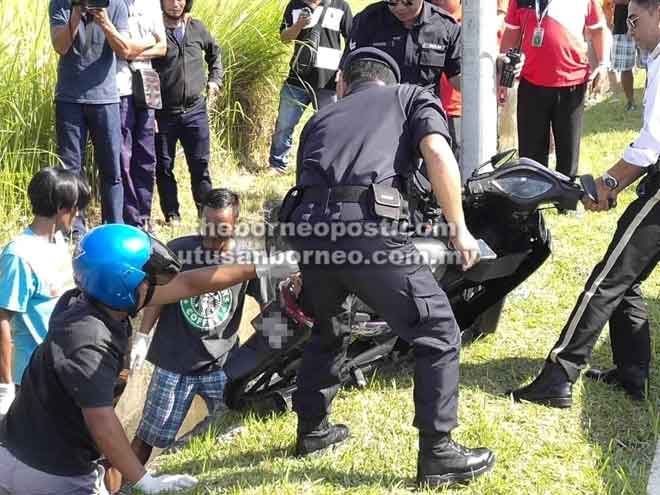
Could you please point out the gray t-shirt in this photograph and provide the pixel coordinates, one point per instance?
(87, 72)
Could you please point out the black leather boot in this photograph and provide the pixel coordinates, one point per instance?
(315, 435)
(441, 461)
(631, 378)
(551, 388)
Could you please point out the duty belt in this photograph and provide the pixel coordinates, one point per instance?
(337, 194)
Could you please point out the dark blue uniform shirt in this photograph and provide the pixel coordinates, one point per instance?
(431, 47)
(370, 136)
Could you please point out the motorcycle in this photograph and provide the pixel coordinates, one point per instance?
(502, 202)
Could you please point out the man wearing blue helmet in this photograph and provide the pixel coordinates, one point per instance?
(67, 395)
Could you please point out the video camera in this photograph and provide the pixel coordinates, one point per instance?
(91, 4)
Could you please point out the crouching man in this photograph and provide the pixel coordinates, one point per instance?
(63, 421)
(193, 336)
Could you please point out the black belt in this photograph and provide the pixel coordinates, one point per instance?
(337, 194)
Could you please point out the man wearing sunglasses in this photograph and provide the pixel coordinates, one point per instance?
(193, 336)
(613, 291)
(63, 422)
(424, 40)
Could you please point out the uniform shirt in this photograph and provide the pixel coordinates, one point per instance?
(34, 273)
(87, 72)
(337, 22)
(76, 367)
(183, 77)
(562, 58)
(145, 19)
(370, 136)
(430, 48)
(619, 25)
(193, 336)
(645, 150)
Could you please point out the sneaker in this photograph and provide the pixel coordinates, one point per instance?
(631, 107)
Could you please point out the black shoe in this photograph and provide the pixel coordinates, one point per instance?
(173, 219)
(441, 461)
(632, 379)
(318, 435)
(551, 388)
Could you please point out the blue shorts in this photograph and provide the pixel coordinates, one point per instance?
(168, 402)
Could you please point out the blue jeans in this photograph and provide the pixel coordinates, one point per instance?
(73, 123)
(293, 102)
(192, 129)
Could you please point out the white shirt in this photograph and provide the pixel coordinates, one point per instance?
(145, 18)
(645, 150)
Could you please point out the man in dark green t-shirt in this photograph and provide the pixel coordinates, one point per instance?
(193, 336)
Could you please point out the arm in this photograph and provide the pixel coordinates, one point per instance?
(150, 316)
(200, 281)
(510, 39)
(6, 347)
(213, 57)
(598, 42)
(291, 33)
(62, 36)
(111, 440)
(120, 44)
(445, 177)
(446, 181)
(156, 51)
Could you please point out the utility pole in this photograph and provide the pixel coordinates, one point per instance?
(479, 117)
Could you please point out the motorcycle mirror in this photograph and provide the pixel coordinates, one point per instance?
(496, 160)
(589, 186)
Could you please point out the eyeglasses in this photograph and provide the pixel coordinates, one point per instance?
(632, 21)
(394, 3)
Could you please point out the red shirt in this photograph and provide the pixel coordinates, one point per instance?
(450, 98)
(561, 60)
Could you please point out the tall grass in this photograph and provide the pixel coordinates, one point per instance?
(247, 31)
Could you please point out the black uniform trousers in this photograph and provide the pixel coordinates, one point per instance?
(540, 108)
(408, 298)
(613, 293)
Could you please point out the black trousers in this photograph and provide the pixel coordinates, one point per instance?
(409, 299)
(540, 108)
(613, 294)
(192, 129)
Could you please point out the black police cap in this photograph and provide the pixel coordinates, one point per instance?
(374, 55)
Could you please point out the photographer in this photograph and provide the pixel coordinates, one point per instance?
(138, 149)
(88, 35)
(316, 27)
(184, 117)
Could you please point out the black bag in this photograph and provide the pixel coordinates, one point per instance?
(304, 60)
(146, 88)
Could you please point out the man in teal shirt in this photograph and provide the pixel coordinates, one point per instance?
(35, 269)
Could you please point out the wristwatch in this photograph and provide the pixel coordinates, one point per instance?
(610, 181)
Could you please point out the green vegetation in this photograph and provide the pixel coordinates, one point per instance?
(602, 446)
(254, 62)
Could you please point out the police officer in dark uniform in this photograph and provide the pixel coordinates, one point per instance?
(353, 158)
(423, 39)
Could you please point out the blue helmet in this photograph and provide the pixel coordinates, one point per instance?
(113, 260)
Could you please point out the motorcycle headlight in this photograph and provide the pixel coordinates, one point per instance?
(522, 187)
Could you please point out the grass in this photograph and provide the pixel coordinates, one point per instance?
(603, 445)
